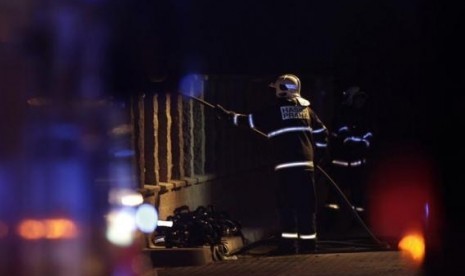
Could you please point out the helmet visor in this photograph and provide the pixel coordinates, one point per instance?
(287, 86)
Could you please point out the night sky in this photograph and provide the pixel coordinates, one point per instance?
(350, 38)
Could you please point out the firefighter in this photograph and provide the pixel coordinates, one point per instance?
(293, 129)
(350, 143)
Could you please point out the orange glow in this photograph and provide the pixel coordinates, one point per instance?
(47, 229)
(413, 247)
(31, 229)
(404, 195)
(60, 228)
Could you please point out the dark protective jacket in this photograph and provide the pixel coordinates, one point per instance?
(294, 131)
(351, 139)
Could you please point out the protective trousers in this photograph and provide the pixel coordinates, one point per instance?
(296, 202)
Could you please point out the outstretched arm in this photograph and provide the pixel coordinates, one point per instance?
(229, 115)
(237, 119)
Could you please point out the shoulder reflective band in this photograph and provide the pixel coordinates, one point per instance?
(344, 128)
(368, 134)
(294, 164)
(288, 129)
(319, 130)
(357, 139)
(307, 237)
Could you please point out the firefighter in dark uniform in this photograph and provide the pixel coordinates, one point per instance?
(350, 145)
(293, 130)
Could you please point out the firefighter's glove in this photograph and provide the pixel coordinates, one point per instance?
(222, 113)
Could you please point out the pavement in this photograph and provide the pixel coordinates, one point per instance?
(379, 263)
(332, 258)
(350, 252)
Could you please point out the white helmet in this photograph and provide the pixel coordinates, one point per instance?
(288, 86)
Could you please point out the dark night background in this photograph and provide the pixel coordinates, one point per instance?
(406, 54)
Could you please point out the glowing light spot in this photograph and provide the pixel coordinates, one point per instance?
(132, 200)
(146, 218)
(121, 227)
(125, 197)
(47, 229)
(31, 229)
(413, 247)
(403, 196)
(192, 84)
(60, 229)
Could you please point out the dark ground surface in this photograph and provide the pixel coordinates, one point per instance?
(354, 253)
(344, 258)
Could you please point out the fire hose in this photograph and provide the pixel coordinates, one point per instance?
(360, 220)
(212, 106)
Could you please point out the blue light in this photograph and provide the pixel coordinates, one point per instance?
(191, 84)
(146, 218)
